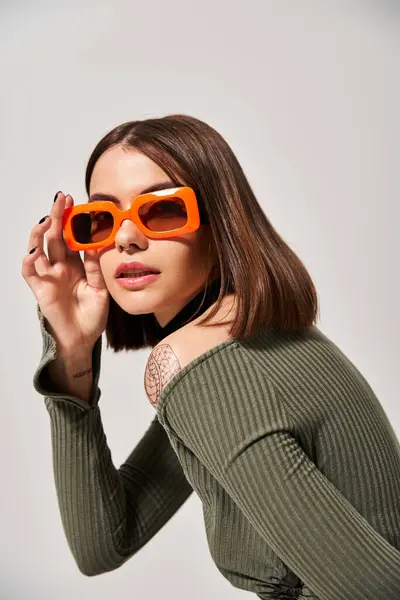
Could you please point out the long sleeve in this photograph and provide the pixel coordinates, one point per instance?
(108, 514)
(236, 422)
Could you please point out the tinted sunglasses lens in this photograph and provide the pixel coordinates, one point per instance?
(159, 215)
(164, 215)
(91, 227)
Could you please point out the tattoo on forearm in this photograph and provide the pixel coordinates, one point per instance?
(81, 373)
(161, 367)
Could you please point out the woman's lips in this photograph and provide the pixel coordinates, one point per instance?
(134, 282)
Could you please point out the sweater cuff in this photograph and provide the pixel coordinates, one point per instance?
(41, 380)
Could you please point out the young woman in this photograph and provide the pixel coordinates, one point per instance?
(282, 438)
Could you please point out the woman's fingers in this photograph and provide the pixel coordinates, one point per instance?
(31, 260)
(56, 248)
(94, 275)
(36, 264)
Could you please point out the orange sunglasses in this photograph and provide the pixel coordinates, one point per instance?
(159, 215)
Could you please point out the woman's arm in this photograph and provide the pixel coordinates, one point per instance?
(108, 514)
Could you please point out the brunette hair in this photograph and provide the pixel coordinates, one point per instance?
(270, 283)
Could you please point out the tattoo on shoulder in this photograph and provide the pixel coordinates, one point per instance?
(161, 367)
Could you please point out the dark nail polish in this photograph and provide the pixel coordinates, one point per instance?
(33, 250)
(42, 220)
(55, 197)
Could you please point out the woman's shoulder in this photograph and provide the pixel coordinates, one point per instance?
(185, 345)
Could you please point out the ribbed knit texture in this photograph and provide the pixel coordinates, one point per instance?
(286, 444)
(108, 514)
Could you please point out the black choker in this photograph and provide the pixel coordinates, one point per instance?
(187, 313)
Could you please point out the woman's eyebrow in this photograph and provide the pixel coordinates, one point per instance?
(164, 185)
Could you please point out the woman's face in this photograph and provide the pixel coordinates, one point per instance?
(181, 260)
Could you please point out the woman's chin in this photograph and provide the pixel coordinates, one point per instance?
(134, 302)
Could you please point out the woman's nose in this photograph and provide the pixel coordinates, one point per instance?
(128, 232)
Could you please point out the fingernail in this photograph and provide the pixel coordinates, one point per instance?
(55, 197)
(42, 220)
(33, 250)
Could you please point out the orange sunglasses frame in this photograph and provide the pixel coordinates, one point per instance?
(187, 194)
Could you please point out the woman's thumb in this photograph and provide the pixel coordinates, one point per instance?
(94, 275)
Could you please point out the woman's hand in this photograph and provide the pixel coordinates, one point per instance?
(71, 294)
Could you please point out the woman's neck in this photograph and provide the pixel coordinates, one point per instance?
(192, 310)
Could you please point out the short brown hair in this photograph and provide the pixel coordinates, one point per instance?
(270, 283)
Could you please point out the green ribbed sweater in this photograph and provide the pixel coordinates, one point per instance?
(288, 448)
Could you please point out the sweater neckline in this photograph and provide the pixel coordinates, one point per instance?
(264, 336)
(191, 366)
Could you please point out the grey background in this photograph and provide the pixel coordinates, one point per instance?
(306, 93)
